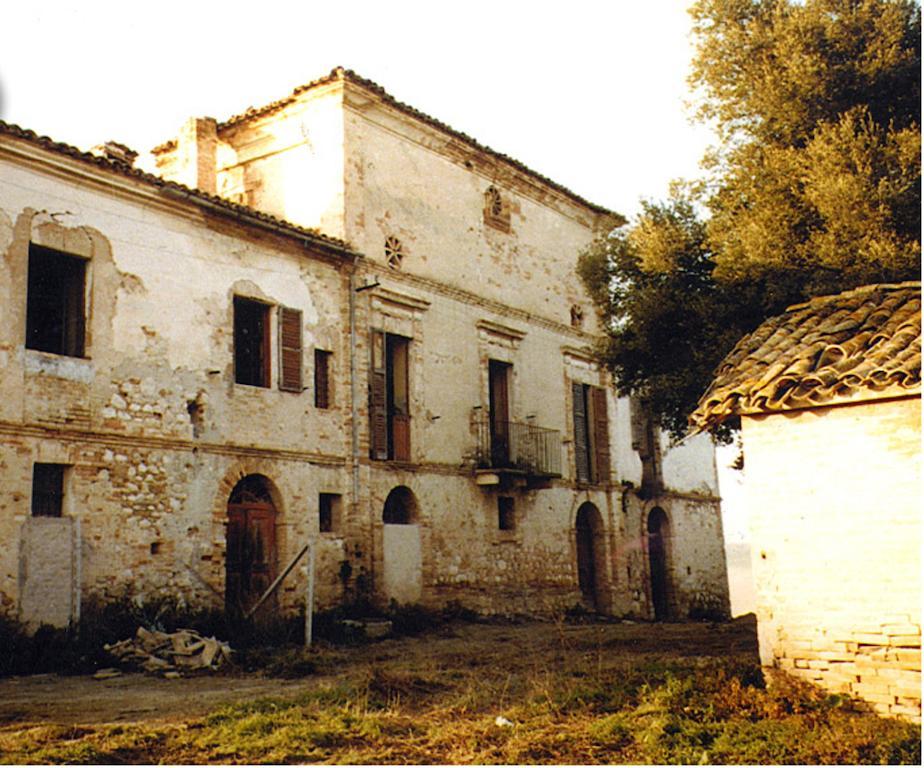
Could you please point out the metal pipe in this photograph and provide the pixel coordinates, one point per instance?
(272, 587)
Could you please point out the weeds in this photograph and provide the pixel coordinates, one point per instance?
(536, 693)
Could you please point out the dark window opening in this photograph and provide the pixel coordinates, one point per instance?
(328, 512)
(322, 390)
(499, 412)
(506, 520)
(389, 396)
(55, 319)
(251, 342)
(400, 507)
(47, 490)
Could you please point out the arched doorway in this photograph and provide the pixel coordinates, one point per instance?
(250, 559)
(401, 556)
(588, 530)
(659, 562)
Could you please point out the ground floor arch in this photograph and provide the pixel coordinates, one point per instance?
(591, 555)
(401, 550)
(250, 542)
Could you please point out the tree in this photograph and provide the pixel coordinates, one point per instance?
(814, 188)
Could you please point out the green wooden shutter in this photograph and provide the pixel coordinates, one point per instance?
(601, 436)
(579, 412)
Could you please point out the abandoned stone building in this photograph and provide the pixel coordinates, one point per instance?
(330, 321)
(829, 397)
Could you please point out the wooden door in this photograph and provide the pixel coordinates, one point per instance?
(250, 558)
(499, 405)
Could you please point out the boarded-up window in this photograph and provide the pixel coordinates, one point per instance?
(290, 349)
(55, 302)
(251, 342)
(591, 434)
(47, 490)
(323, 395)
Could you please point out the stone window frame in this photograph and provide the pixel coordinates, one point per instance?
(394, 252)
(496, 210)
(329, 512)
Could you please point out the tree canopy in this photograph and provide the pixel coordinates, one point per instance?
(814, 188)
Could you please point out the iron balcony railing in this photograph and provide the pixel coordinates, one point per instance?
(523, 447)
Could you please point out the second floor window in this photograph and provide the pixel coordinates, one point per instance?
(389, 398)
(251, 342)
(55, 312)
(322, 384)
(591, 434)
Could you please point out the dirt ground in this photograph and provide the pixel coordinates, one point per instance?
(497, 648)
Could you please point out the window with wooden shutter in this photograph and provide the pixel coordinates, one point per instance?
(601, 436)
(378, 398)
(323, 397)
(581, 452)
(290, 349)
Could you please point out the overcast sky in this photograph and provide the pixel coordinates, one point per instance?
(589, 93)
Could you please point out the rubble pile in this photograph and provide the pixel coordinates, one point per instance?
(170, 653)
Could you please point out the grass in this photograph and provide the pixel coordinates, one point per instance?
(585, 695)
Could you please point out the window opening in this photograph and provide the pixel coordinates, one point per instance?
(322, 390)
(55, 313)
(251, 342)
(394, 252)
(496, 214)
(400, 507)
(47, 490)
(328, 512)
(506, 519)
(499, 411)
(390, 397)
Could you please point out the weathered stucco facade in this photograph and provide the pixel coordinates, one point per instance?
(433, 421)
(830, 404)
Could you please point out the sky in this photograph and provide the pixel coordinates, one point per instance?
(591, 93)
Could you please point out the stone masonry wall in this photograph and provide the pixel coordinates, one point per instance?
(834, 495)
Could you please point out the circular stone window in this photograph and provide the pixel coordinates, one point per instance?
(394, 252)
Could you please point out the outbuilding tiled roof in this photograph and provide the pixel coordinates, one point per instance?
(348, 75)
(828, 349)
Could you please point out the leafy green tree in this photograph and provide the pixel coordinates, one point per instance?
(814, 188)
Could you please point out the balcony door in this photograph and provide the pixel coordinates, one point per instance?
(499, 404)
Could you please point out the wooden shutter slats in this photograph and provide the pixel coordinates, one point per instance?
(601, 436)
(579, 413)
(322, 398)
(290, 349)
(378, 398)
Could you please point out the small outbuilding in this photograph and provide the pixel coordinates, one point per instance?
(829, 398)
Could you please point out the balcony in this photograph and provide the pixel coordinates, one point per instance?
(510, 453)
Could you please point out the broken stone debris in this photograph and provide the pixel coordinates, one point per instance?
(170, 653)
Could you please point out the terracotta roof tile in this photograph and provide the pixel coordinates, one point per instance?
(339, 73)
(240, 212)
(829, 348)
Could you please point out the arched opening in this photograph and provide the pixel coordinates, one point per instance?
(659, 562)
(588, 529)
(250, 538)
(401, 551)
(400, 507)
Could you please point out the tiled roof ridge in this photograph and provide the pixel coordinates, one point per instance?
(125, 169)
(853, 292)
(341, 73)
(828, 349)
